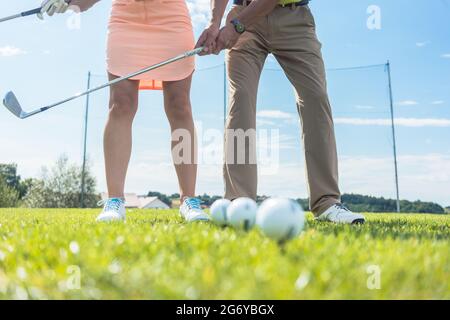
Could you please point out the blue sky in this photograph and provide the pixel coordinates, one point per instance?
(46, 61)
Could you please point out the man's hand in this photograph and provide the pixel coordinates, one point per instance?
(227, 38)
(208, 39)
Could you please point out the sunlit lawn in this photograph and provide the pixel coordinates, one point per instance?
(58, 254)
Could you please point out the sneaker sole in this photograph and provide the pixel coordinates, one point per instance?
(359, 221)
(109, 219)
(200, 219)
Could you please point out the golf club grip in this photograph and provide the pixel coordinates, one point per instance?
(31, 12)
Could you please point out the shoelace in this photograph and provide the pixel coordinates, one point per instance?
(111, 204)
(344, 209)
(193, 203)
(341, 206)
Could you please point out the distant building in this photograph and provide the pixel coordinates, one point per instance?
(152, 203)
(132, 200)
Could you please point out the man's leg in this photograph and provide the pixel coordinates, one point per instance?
(298, 51)
(244, 62)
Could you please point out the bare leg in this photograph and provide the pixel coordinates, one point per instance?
(117, 136)
(177, 105)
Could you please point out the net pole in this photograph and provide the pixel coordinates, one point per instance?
(224, 92)
(83, 170)
(224, 107)
(394, 145)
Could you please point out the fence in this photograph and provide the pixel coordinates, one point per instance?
(363, 113)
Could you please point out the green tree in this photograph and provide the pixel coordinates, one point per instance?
(9, 197)
(59, 187)
(9, 173)
(304, 203)
(357, 202)
(208, 200)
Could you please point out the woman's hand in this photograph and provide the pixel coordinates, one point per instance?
(52, 6)
(208, 39)
(60, 6)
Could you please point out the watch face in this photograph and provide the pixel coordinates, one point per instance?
(240, 28)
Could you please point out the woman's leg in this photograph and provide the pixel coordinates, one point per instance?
(177, 105)
(117, 136)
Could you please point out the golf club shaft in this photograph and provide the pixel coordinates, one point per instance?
(132, 75)
(22, 14)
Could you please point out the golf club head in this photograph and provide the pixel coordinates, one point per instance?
(12, 104)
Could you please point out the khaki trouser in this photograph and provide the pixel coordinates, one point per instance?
(289, 34)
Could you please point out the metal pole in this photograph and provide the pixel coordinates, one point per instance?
(224, 92)
(388, 67)
(224, 110)
(83, 172)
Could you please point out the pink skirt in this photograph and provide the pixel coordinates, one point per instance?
(146, 32)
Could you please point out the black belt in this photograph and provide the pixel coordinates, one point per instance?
(295, 4)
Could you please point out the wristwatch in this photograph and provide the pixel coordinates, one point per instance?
(238, 26)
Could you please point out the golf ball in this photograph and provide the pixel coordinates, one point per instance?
(241, 213)
(218, 211)
(280, 219)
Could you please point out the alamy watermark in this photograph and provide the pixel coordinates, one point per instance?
(374, 19)
(73, 22)
(73, 281)
(233, 147)
(374, 277)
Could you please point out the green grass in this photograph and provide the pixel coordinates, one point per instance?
(156, 256)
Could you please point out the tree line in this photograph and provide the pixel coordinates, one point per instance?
(355, 202)
(56, 187)
(59, 186)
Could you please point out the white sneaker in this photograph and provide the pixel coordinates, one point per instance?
(191, 210)
(114, 210)
(338, 213)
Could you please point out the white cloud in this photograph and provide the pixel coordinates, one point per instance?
(364, 107)
(275, 114)
(422, 44)
(200, 12)
(11, 51)
(262, 122)
(445, 56)
(407, 103)
(438, 102)
(405, 122)
(425, 177)
(422, 122)
(289, 141)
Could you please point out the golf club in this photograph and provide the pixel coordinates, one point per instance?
(22, 14)
(12, 104)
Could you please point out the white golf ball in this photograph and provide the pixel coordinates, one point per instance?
(241, 213)
(280, 219)
(218, 211)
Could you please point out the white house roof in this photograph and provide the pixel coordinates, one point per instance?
(152, 202)
(132, 200)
